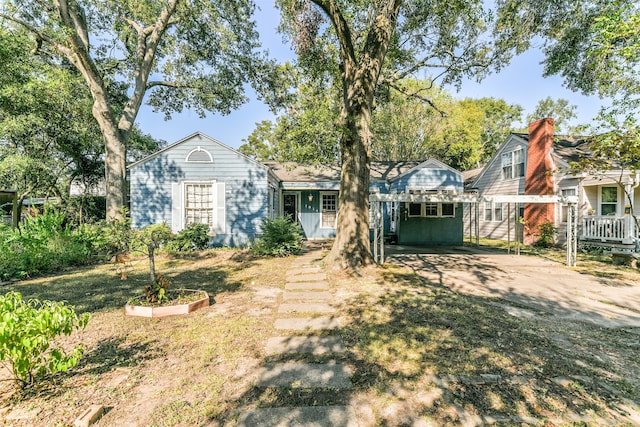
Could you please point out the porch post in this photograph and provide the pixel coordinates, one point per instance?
(375, 231)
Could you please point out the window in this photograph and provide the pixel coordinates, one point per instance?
(415, 209)
(488, 213)
(513, 164)
(448, 209)
(431, 210)
(497, 211)
(329, 212)
(492, 211)
(199, 155)
(507, 163)
(566, 192)
(199, 204)
(609, 201)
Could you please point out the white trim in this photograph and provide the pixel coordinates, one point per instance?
(512, 138)
(297, 194)
(617, 203)
(328, 193)
(423, 210)
(198, 149)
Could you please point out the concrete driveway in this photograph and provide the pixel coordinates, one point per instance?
(539, 285)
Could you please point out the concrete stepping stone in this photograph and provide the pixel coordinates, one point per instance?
(306, 296)
(306, 307)
(309, 416)
(304, 344)
(307, 286)
(307, 323)
(313, 277)
(303, 270)
(304, 375)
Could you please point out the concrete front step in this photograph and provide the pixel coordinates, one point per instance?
(306, 296)
(309, 416)
(307, 323)
(304, 375)
(306, 307)
(311, 277)
(307, 286)
(304, 344)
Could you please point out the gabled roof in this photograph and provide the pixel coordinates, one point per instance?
(185, 139)
(519, 137)
(380, 171)
(429, 163)
(568, 148)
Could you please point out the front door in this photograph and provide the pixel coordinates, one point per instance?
(290, 206)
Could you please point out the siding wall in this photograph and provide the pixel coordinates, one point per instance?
(246, 188)
(429, 179)
(491, 183)
(431, 231)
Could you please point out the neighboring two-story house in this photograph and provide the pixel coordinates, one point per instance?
(538, 163)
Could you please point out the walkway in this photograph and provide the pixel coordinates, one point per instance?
(306, 328)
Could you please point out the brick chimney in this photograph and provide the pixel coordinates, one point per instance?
(539, 177)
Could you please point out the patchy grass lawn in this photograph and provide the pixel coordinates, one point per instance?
(418, 351)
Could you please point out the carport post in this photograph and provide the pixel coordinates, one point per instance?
(572, 235)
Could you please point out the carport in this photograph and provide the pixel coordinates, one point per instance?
(513, 202)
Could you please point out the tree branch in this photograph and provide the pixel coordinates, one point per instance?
(416, 95)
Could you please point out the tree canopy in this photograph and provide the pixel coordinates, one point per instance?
(366, 46)
(173, 55)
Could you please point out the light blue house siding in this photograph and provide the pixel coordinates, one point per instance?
(171, 185)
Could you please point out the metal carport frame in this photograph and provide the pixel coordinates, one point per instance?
(376, 203)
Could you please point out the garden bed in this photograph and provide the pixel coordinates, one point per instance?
(181, 301)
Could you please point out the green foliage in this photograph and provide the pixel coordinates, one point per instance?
(546, 234)
(44, 242)
(280, 237)
(27, 329)
(193, 237)
(560, 110)
(156, 292)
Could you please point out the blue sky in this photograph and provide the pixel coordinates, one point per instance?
(519, 83)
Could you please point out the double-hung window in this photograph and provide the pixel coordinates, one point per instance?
(492, 211)
(513, 164)
(609, 201)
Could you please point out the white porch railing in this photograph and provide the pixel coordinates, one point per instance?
(609, 229)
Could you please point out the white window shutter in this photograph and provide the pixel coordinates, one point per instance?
(177, 212)
(220, 215)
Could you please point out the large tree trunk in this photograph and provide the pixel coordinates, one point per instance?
(352, 248)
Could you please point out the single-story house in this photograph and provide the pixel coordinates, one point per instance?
(199, 179)
(538, 163)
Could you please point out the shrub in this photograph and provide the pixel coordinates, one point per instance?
(193, 237)
(26, 331)
(280, 237)
(546, 234)
(44, 243)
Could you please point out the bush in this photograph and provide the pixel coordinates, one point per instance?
(280, 237)
(546, 234)
(26, 331)
(193, 237)
(44, 243)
